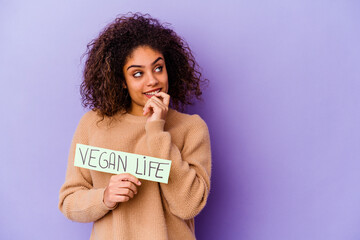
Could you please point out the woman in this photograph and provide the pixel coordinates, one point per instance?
(135, 69)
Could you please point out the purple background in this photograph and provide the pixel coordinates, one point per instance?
(282, 108)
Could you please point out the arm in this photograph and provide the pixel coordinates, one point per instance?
(78, 200)
(189, 182)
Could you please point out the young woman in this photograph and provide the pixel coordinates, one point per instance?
(135, 70)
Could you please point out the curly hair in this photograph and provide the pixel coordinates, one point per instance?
(102, 88)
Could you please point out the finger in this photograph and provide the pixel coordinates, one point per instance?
(120, 198)
(147, 108)
(128, 185)
(152, 105)
(146, 111)
(125, 192)
(158, 110)
(121, 191)
(158, 100)
(127, 177)
(158, 103)
(117, 188)
(165, 97)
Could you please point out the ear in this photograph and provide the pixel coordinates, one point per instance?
(124, 85)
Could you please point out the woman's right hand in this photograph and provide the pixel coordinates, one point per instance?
(121, 188)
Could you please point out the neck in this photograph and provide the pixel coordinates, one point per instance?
(135, 110)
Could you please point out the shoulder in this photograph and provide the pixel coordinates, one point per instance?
(87, 125)
(185, 121)
(89, 118)
(189, 132)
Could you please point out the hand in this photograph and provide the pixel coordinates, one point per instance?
(121, 188)
(157, 106)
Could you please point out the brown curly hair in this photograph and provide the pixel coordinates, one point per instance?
(103, 89)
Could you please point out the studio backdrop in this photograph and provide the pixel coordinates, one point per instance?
(282, 107)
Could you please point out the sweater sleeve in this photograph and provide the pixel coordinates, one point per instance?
(79, 200)
(189, 182)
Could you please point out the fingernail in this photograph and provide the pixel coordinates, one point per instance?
(139, 182)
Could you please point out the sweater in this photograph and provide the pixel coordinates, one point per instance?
(158, 211)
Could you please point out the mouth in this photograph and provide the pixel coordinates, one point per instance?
(151, 93)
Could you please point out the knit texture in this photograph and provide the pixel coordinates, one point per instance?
(158, 211)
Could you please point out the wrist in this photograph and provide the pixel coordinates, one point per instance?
(155, 126)
(108, 204)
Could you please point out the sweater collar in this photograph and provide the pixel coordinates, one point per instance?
(137, 119)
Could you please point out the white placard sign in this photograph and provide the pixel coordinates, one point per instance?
(116, 162)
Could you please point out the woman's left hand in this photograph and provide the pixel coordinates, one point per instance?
(157, 107)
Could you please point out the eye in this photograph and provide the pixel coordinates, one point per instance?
(159, 69)
(137, 74)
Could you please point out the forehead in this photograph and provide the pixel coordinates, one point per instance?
(143, 55)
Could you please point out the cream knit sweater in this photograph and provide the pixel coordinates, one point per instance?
(158, 211)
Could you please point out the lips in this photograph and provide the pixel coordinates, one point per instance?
(151, 93)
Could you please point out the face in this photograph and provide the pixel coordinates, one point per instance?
(145, 74)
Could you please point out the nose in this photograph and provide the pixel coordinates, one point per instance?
(152, 80)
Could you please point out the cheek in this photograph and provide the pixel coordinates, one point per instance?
(135, 89)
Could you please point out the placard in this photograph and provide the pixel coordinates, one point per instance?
(116, 162)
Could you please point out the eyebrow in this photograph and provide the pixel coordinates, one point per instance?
(141, 66)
